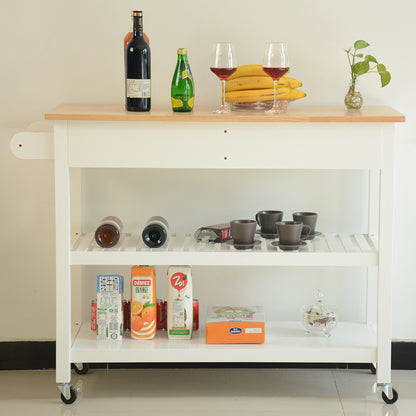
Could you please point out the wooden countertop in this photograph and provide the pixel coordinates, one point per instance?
(295, 113)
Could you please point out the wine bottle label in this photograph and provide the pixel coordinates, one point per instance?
(138, 88)
(176, 103)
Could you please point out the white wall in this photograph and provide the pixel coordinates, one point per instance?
(71, 51)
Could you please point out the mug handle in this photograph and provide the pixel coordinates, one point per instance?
(303, 234)
(257, 218)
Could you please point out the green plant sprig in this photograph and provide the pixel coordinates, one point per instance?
(364, 66)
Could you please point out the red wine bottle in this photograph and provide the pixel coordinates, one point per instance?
(137, 68)
(129, 35)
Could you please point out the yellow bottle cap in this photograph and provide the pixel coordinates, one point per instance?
(182, 51)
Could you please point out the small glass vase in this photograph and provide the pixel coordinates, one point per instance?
(353, 99)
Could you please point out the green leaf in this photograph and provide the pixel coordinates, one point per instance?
(361, 68)
(347, 50)
(360, 44)
(370, 58)
(381, 68)
(385, 78)
(359, 55)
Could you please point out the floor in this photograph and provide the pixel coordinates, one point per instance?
(264, 392)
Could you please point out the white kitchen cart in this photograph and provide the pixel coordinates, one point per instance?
(106, 136)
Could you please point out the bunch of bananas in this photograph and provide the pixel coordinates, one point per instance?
(250, 84)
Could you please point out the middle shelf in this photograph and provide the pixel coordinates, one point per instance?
(329, 249)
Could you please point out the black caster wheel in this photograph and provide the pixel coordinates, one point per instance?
(84, 369)
(390, 401)
(74, 395)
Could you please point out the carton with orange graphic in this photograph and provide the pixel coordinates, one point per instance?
(180, 304)
(235, 325)
(143, 302)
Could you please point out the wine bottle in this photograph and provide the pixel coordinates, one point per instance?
(137, 68)
(108, 232)
(155, 232)
(182, 89)
(129, 35)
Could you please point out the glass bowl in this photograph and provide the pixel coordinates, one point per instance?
(319, 318)
(260, 105)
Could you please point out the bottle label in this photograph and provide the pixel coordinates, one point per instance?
(138, 88)
(176, 103)
(186, 74)
(191, 102)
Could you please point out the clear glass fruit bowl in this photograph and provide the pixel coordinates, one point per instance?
(319, 318)
(260, 105)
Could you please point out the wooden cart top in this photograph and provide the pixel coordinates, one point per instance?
(305, 114)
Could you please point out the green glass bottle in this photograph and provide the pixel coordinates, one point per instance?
(182, 91)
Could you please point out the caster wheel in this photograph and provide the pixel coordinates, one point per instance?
(74, 395)
(390, 401)
(84, 369)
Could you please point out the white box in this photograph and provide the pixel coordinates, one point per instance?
(110, 290)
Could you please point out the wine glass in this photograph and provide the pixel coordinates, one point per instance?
(223, 64)
(275, 64)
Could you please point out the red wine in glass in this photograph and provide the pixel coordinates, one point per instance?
(223, 64)
(223, 73)
(275, 64)
(276, 73)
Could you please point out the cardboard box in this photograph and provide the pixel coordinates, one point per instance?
(217, 233)
(143, 302)
(235, 325)
(109, 307)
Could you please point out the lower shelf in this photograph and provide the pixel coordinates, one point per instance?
(285, 342)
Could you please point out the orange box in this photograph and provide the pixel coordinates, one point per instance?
(143, 302)
(235, 325)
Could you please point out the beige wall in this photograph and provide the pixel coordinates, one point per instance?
(57, 51)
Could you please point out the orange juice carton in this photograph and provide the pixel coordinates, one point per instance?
(235, 325)
(180, 304)
(109, 307)
(143, 302)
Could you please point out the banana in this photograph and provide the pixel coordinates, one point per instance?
(252, 70)
(246, 96)
(258, 82)
(250, 83)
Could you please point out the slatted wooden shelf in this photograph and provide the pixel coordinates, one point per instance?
(329, 249)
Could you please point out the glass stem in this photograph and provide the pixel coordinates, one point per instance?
(275, 82)
(222, 93)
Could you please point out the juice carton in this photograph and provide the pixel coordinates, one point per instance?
(235, 325)
(109, 307)
(180, 303)
(143, 302)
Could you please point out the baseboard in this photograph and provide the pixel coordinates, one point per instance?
(33, 355)
(27, 355)
(403, 355)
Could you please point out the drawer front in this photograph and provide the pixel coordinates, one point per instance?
(228, 145)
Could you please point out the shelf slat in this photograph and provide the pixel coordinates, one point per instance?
(285, 342)
(325, 250)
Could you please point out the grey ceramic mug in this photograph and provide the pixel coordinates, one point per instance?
(242, 231)
(308, 218)
(290, 232)
(267, 220)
